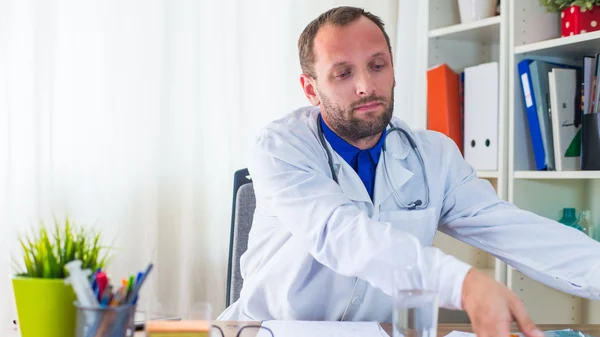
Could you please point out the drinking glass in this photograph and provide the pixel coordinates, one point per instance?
(415, 307)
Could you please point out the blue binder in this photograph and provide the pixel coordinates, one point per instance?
(532, 118)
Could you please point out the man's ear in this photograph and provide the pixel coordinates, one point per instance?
(309, 88)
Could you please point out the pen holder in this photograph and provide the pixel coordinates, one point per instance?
(105, 321)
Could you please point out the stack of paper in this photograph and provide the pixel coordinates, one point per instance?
(322, 329)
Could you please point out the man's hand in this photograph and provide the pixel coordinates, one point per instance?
(492, 307)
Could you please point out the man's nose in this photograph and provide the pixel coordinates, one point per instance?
(364, 84)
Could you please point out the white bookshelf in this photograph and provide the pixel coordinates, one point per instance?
(460, 46)
(571, 46)
(488, 174)
(535, 34)
(556, 175)
(483, 31)
(524, 29)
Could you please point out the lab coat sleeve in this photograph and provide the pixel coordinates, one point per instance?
(294, 186)
(545, 250)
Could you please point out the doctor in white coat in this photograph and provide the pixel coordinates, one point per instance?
(342, 200)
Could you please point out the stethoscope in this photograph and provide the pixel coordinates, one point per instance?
(417, 204)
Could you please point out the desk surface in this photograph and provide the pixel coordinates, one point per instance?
(230, 328)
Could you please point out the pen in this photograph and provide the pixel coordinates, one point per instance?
(129, 286)
(138, 278)
(132, 299)
(93, 281)
(106, 296)
(102, 282)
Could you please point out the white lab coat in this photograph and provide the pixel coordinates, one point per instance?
(322, 251)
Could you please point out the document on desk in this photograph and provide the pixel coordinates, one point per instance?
(460, 334)
(321, 329)
(547, 333)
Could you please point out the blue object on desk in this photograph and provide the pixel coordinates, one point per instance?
(565, 333)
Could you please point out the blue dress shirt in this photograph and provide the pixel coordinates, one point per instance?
(364, 162)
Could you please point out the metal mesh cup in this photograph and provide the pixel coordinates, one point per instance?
(105, 322)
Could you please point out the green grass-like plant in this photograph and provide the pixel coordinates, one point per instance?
(559, 5)
(47, 251)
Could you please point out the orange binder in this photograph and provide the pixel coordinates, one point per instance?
(443, 107)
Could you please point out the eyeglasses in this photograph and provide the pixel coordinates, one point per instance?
(248, 328)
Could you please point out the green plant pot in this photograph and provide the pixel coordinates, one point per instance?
(45, 307)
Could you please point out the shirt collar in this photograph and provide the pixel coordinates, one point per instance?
(346, 150)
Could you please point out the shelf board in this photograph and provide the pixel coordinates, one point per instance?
(488, 174)
(557, 175)
(484, 30)
(576, 46)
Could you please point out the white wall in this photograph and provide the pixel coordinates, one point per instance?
(411, 63)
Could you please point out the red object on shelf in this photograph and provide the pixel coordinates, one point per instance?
(443, 103)
(574, 21)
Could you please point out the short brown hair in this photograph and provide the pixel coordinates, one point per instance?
(340, 17)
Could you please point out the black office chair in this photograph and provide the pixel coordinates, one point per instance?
(242, 213)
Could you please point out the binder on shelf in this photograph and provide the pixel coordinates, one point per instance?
(590, 142)
(591, 71)
(563, 96)
(539, 80)
(539, 76)
(443, 107)
(589, 75)
(595, 94)
(461, 104)
(481, 116)
(535, 133)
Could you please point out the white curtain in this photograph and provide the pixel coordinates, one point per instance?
(131, 117)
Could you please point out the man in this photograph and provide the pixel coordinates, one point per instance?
(343, 201)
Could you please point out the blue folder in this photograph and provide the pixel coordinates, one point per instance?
(531, 109)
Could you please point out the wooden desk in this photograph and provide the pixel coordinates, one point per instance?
(230, 328)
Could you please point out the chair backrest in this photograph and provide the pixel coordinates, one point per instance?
(242, 213)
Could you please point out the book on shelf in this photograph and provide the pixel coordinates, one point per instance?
(562, 105)
(463, 105)
(443, 103)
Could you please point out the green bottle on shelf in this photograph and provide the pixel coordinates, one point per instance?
(569, 218)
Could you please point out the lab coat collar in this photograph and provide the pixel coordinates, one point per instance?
(397, 149)
(396, 143)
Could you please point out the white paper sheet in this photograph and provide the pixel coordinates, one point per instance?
(322, 329)
(460, 334)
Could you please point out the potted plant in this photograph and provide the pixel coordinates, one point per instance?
(576, 16)
(45, 304)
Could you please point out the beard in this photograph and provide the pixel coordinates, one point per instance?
(345, 123)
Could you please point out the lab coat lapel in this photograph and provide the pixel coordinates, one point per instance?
(394, 156)
(349, 180)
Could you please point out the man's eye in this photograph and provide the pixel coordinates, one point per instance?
(378, 66)
(343, 75)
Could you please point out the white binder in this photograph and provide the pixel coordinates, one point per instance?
(563, 88)
(481, 116)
